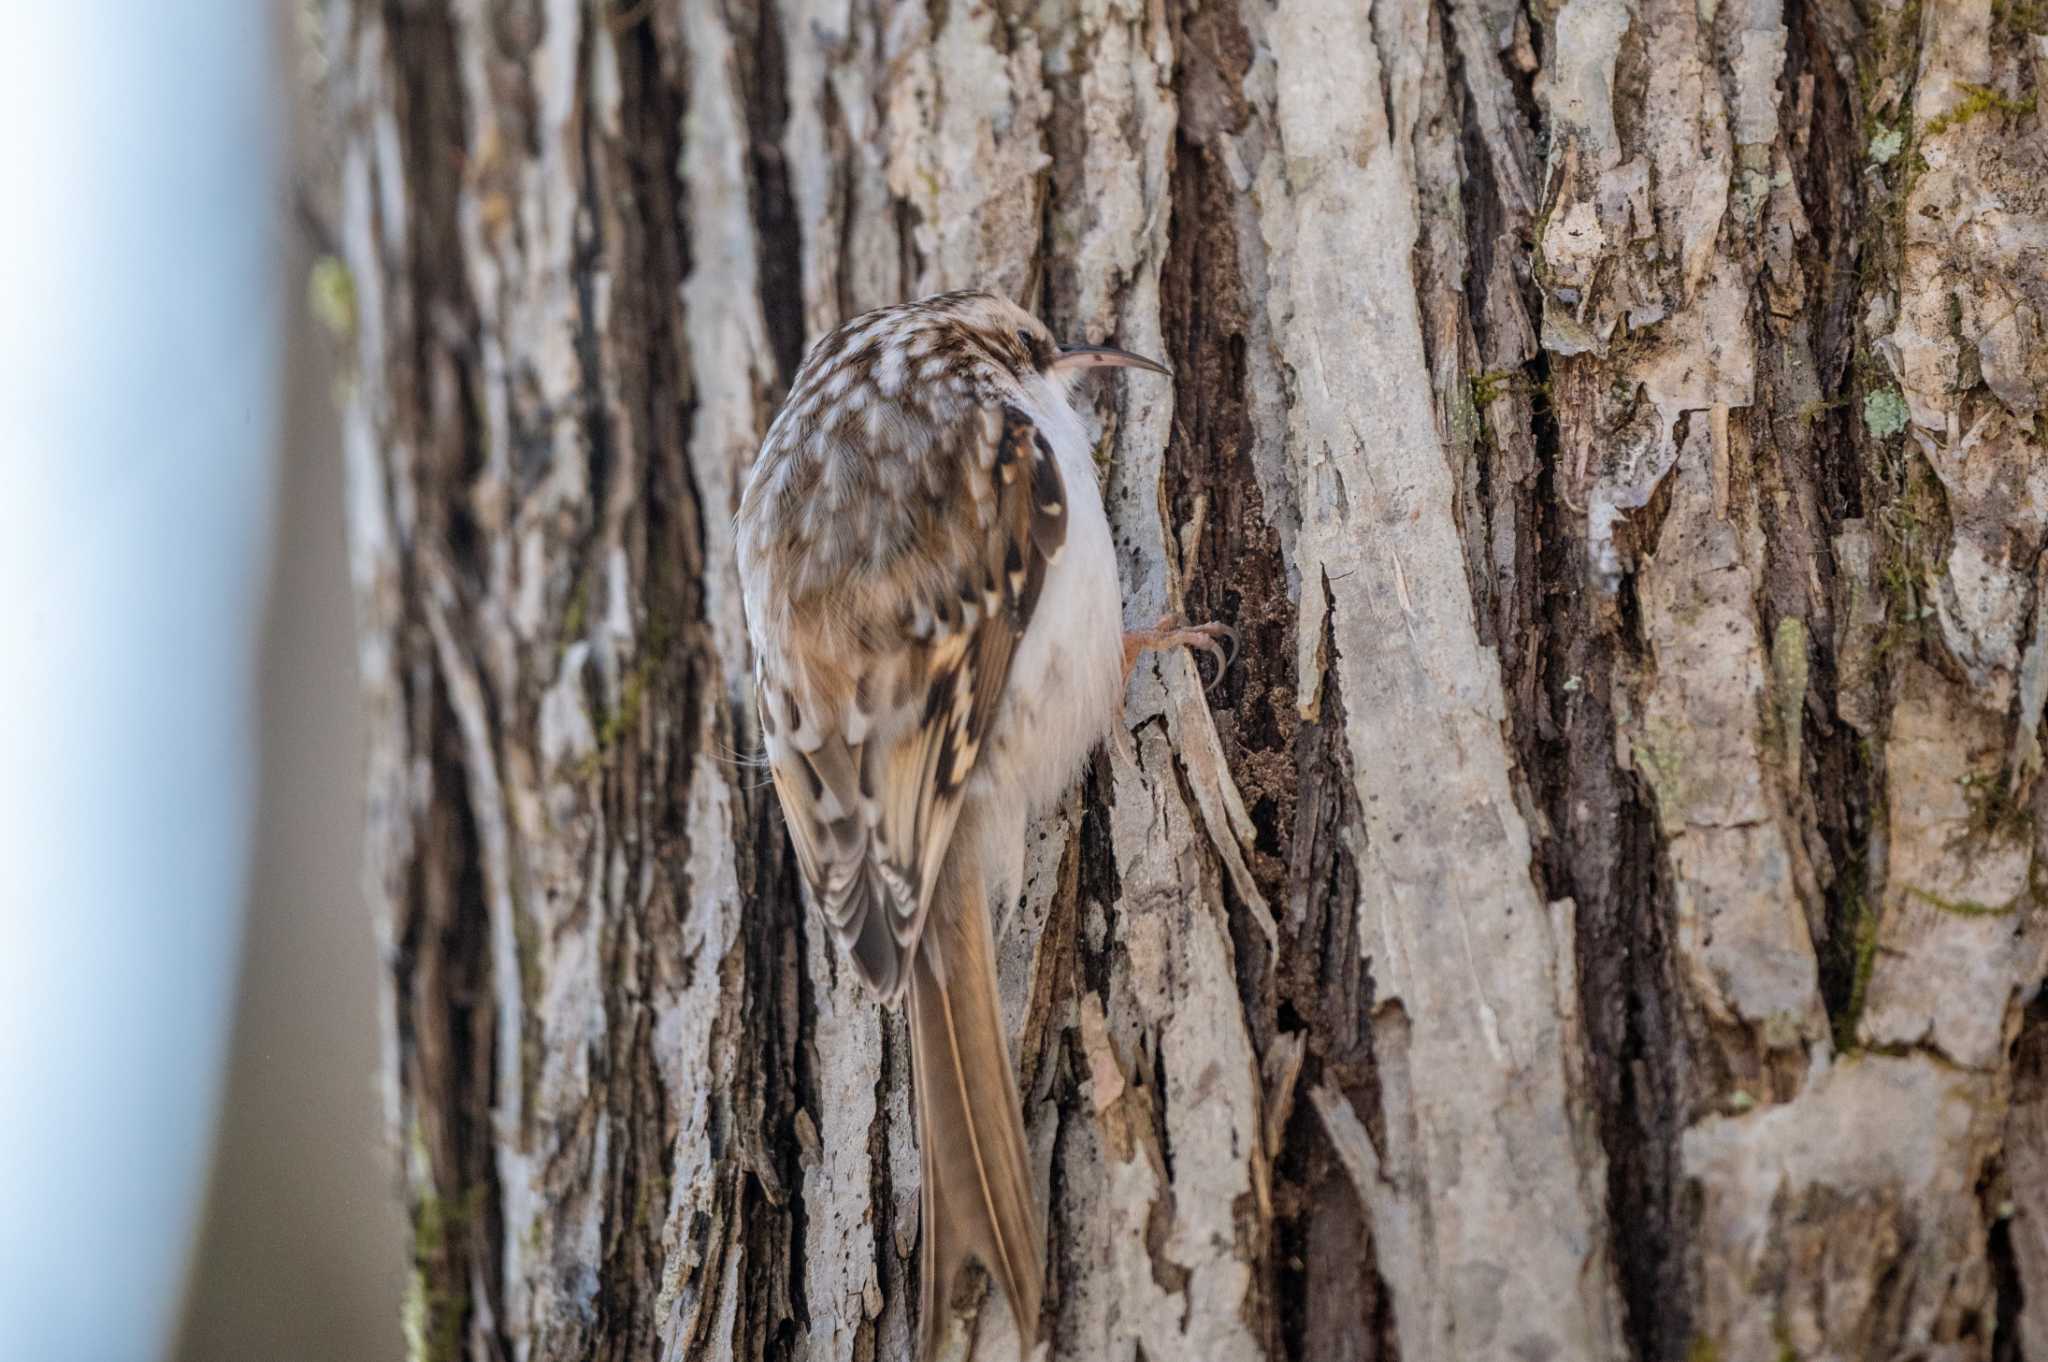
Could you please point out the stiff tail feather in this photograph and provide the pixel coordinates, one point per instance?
(977, 1196)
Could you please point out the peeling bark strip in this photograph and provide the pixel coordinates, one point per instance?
(1597, 918)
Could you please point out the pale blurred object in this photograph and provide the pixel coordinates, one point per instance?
(139, 336)
(303, 1257)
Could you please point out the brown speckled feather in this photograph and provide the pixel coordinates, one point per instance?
(872, 735)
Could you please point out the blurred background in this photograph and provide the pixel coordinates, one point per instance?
(192, 1149)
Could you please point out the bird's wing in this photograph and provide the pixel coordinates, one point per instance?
(871, 746)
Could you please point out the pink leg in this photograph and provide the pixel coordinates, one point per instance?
(1169, 634)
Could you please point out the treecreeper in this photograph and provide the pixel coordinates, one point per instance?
(937, 625)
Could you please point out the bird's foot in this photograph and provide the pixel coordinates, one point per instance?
(1170, 633)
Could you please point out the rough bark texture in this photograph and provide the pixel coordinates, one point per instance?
(1596, 919)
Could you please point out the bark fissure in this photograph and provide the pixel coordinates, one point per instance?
(447, 1024)
(443, 979)
(1603, 854)
(763, 78)
(1330, 1299)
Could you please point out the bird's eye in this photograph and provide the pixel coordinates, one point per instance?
(1034, 348)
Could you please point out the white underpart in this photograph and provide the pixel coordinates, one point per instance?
(1066, 678)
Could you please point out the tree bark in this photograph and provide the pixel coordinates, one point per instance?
(1596, 918)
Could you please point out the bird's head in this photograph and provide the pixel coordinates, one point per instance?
(1018, 340)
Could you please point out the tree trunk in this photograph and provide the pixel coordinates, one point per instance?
(1595, 919)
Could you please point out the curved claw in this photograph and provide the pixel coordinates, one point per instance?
(1225, 651)
(1170, 634)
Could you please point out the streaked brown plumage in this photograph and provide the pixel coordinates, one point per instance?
(933, 603)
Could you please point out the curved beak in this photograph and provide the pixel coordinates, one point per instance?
(1104, 357)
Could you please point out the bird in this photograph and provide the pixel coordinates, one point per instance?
(932, 602)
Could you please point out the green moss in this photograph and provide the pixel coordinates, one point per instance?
(1703, 1349)
(650, 1203)
(1490, 385)
(1977, 101)
(331, 296)
(1994, 812)
(1959, 907)
(612, 730)
(526, 941)
(1789, 677)
(1915, 522)
(624, 717)
(1887, 64)
(436, 1299)
(1891, 47)
(415, 1318)
(576, 614)
(1902, 607)
(1860, 923)
(2024, 17)
(1494, 384)
(1658, 756)
(1484, 389)
(1918, 517)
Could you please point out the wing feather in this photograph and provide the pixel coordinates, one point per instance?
(871, 754)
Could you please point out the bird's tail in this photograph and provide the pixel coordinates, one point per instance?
(977, 1196)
